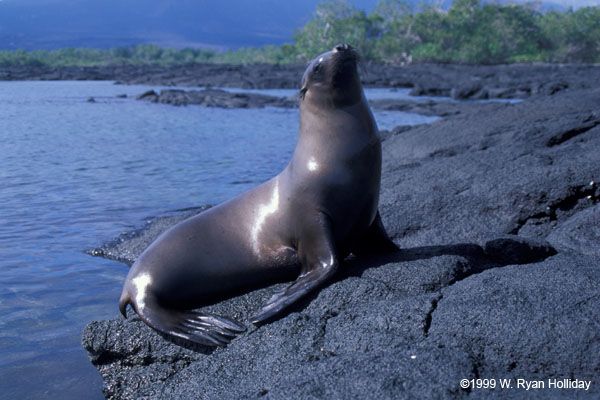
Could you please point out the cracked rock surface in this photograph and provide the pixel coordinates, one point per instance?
(497, 214)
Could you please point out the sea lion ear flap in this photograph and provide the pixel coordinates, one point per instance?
(304, 83)
(302, 92)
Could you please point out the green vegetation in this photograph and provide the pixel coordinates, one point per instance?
(394, 32)
(141, 54)
(469, 32)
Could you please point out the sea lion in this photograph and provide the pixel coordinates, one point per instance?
(301, 223)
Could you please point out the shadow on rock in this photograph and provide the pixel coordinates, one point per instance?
(473, 259)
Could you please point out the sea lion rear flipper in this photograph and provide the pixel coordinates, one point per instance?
(376, 240)
(318, 261)
(206, 329)
(202, 328)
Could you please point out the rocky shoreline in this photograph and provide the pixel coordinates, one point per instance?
(497, 210)
(473, 82)
(224, 99)
(217, 98)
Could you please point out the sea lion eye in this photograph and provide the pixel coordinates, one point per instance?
(317, 66)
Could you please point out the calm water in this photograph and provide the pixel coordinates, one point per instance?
(75, 174)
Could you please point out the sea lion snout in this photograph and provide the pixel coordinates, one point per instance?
(341, 47)
(344, 56)
(345, 51)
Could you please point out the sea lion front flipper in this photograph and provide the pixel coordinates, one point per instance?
(282, 299)
(318, 259)
(375, 240)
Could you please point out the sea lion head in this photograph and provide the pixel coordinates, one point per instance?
(332, 78)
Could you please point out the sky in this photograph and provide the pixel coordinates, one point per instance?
(220, 25)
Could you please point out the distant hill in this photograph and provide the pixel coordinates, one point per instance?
(52, 24)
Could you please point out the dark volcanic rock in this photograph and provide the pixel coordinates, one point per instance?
(149, 95)
(534, 321)
(217, 98)
(496, 211)
(464, 81)
(476, 82)
(253, 76)
(441, 108)
(473, 90)
(430, 89)
(385, 134)
(494, 171)
(581, 232)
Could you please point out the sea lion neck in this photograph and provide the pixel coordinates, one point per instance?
(325, 96)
